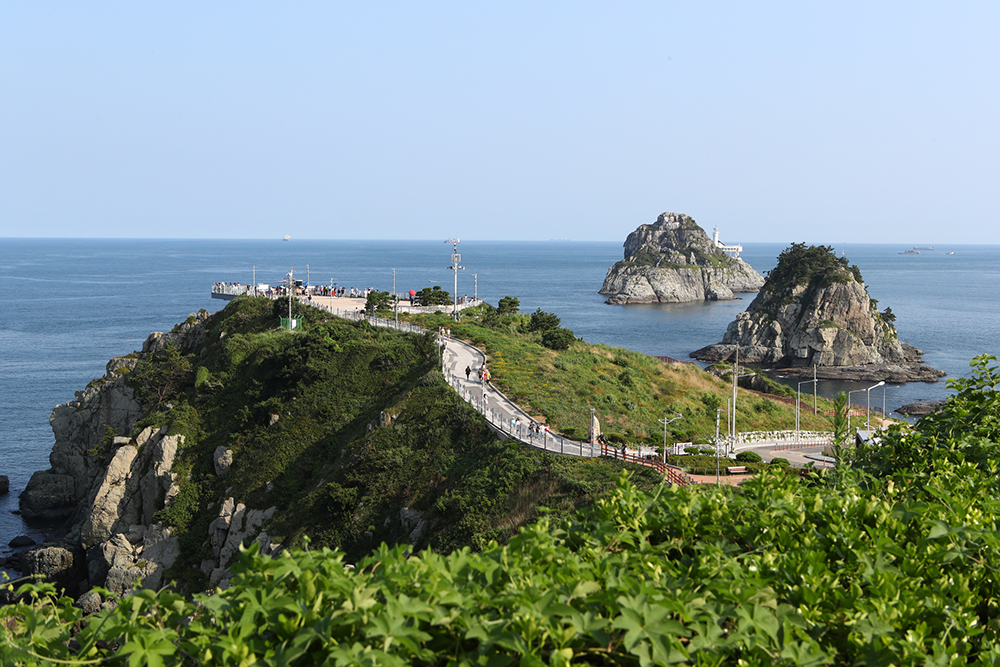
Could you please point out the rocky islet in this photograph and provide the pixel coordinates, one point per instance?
(813, 316)
(673, 261)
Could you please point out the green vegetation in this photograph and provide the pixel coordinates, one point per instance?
(379, 303)
(432, 296)
(509, 305)
(891, 561)
(811, 266)
(339, 427)
(628, 390)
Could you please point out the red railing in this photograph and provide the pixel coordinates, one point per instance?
(674, 474)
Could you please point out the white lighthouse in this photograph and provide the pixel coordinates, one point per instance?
(733, 250)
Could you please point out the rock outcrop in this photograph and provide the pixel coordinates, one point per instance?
(82, 428)
(672, 261)
(814, 310)
(110, 486)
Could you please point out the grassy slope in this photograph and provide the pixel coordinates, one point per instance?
(629, 391)
(342, 425)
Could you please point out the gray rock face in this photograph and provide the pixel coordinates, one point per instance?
(187, 336)
(673, 261)
(222, 459)
(106, 406)
(835, 327)
(234, 525)
(113, 486)
(57, 564)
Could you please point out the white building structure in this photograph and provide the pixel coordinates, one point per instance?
(733, 250)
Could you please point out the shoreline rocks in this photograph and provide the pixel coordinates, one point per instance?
(921, 409)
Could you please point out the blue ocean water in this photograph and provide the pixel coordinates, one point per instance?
(71, 304)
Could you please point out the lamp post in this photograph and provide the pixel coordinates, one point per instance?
(666, 421)
(736, 377)
(718, 416)
(849, 407)
(475, 294)
(798, 403)
(856, 391)
(868, 416)
(455, 259)
(883, 406)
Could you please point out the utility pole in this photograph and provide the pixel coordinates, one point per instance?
(455, 259)
(395, 300)
(307, 276)
(255, 280)
(718, 416)
(475, 294)
(291, 289)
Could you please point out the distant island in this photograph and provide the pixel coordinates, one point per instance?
(814, 311)
(673, 261)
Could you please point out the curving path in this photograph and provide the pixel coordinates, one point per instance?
(504, 416)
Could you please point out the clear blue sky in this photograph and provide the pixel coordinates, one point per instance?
(775, 121)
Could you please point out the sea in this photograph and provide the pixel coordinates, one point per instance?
(70, 305)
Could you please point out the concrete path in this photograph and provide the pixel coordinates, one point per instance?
(502, 413)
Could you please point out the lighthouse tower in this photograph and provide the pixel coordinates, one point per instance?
(733, 250)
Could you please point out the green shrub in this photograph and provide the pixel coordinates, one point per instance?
(748, 457)
(710, 400)
(693, 451)
(508, 305)
(780, 462)
(542, 321)
(558, 338)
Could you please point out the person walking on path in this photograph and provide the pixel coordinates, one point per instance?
(468, 372)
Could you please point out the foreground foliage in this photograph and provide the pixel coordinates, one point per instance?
(871, 565)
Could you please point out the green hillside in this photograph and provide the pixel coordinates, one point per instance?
(888, 561)
(340, 426)
(629, 391)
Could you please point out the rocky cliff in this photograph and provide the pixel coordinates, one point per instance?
(814, 310)
(673, 260)
(107, 485)
(226, 433)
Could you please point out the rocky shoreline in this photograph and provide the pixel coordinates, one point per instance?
(889, 373)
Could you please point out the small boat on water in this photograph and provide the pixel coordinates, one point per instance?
(286, 238)
(910, 252)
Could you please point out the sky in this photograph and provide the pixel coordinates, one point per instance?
(813, 122)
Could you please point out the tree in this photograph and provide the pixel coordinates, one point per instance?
(816, 266)
(557, 338)
(542, 321)
(508, 305)
(433, 296)
(378, 301)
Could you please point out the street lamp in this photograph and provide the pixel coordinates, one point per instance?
(455, 259)
(666, 421)
(736, 378)
(856, 391)
(868, 417)
(798, 402)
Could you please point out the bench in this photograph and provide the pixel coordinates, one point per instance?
(734, 470)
